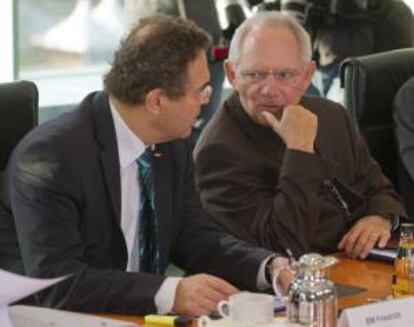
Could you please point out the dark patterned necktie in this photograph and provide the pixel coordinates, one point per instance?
(149, 256)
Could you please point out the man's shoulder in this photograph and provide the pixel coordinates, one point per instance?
(55, 152)
(404, 100)
(60, 136)
(321, 105)
(222, 129)
(329, 113)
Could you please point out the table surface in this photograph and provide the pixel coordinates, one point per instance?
(374, 276)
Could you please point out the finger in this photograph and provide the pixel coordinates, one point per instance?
(220, 285)
(285, 279)
(271, 119)
(369, 245)
(348, 241)
(384, 238)
(204, 304)
(343, 241)
(214, 295)
(352, 240)
(197, 309)
(364, 237)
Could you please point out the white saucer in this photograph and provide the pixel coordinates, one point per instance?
(225, 322)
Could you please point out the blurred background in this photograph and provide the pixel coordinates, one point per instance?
(65, 46)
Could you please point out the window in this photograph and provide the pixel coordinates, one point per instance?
(65, 46)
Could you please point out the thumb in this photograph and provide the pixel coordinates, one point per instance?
(271, 120)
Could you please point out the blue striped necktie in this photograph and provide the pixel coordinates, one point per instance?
(149, 256)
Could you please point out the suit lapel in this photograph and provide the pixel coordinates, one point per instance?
(108, 156)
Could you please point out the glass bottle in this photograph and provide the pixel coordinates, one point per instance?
(404, 263)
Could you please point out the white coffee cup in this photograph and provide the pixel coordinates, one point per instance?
(245, 309)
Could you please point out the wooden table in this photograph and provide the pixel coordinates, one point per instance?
(375, 276)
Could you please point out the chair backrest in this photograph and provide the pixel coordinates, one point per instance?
(371, 83)
(18, 115)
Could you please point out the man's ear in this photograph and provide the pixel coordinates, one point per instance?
(230, 71)
(154, 100)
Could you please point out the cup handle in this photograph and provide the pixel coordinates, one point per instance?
(203, 321)
(223, 308)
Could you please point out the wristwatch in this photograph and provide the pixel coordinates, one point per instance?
(393, 218)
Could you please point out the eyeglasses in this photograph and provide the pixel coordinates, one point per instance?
(205, 93)
(287, 76)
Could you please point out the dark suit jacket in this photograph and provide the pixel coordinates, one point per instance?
(282, 198)
(63, 197)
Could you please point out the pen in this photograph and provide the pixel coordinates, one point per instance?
(177, 321)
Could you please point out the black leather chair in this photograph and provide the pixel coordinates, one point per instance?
(18, 115)
(371, 84)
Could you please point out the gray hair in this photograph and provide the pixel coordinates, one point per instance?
(272, 19)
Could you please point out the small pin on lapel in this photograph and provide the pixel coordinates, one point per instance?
(157, 154)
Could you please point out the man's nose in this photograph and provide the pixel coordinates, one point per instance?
(270, 85)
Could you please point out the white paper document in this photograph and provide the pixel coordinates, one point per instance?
(4, 317)
(14, 287)
(24, 316)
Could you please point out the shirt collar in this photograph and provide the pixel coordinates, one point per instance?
(130, 147)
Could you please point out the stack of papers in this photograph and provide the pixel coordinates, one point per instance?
(14, 287)
(23, 316)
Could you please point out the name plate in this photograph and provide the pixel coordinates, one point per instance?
(399, 312)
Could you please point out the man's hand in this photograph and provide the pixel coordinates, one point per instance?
(199, 294)
(364, 235)
(283, 273)
(297, 127)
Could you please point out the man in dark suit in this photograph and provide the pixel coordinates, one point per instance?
(104, 194)
(286, 170)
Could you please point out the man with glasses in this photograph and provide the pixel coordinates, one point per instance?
(105, 194)
(284, 170)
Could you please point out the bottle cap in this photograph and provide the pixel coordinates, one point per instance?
(407, 228)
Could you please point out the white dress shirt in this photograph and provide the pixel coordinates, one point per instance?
(130, 148)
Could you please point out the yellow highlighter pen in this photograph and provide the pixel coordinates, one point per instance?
(177, 321)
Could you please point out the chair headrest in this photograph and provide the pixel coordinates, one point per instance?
(371, 83)
(18, 114)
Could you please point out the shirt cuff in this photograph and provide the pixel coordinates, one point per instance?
(262, 283)
(164, 299)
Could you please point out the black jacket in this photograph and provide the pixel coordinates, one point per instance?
(63, 190)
